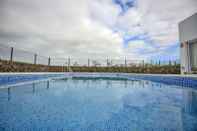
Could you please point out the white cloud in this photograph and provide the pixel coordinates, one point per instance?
(139, 47)
(86, 28)
(160, 18)
(64, 28)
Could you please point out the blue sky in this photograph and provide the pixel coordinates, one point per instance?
(125, 5)
(136, 29)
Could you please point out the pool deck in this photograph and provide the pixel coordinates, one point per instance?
(40, 73)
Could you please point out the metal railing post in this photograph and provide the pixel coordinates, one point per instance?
(142, 63)
(170, 63)
(69, 62)
(49, 61)
(35, 58)
(11, 54)
(88, 62)
(125, 62)
(68, 66)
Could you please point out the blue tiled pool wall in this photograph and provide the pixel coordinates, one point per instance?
(13, 79)
(170, 80)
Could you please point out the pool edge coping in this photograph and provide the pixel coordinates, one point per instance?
(40, 73)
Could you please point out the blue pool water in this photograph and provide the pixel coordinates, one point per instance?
(98, 104)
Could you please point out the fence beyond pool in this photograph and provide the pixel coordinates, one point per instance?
(12, 54)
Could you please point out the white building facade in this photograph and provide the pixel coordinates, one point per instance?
(188, 40)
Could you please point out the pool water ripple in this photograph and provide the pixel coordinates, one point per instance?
(78, 104)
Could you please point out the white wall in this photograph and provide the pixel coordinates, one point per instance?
(187, 33)
(185, 57)
(188, 29)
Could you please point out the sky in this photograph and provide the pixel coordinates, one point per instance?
(135, 29)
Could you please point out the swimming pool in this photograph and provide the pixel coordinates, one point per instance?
(104, 103)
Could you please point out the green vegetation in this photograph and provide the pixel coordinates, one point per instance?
(6, 66)
(166, 69)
